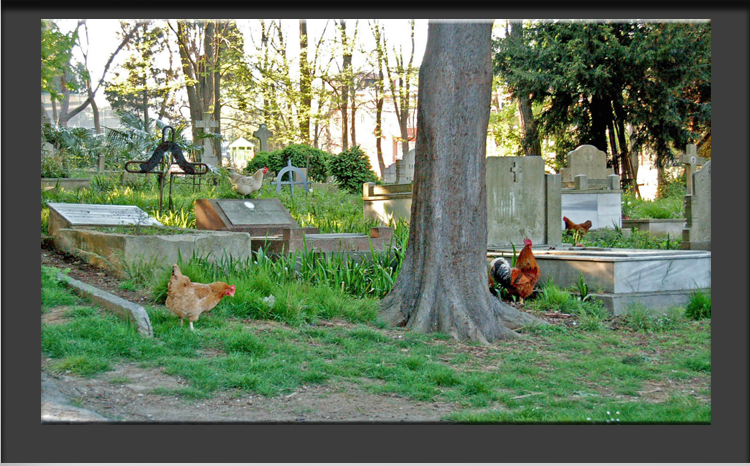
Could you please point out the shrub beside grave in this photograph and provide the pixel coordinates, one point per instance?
(352, 169)
(302, 156)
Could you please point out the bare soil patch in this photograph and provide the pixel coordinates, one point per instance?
(133, 394)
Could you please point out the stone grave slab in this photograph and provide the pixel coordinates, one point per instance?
(64, 215)
(259, 217)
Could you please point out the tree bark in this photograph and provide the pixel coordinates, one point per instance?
(379, 100)
(530, 143)
(345, 89)
(442, 286)
(305, 85)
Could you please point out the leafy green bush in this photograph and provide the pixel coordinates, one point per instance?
(260, 159)
(352, 169)
(53, 167)
(699, 306)
(302, 156)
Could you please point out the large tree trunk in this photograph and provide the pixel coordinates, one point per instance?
(442, 286)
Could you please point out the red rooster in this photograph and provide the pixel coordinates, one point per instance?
(582, 228)
(519, 280)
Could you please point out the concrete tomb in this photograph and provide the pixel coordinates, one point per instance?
(620, 278)
(591, 191)
(259, 217)
(72, 227)
(272, 227)
(405, 168)
(387, 202)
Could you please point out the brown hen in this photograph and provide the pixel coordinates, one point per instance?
(189, 300)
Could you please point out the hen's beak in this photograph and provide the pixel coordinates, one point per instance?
(230, 292)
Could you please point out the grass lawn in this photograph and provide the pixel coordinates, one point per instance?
(589, 370)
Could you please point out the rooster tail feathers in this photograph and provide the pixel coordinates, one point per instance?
(500, 270)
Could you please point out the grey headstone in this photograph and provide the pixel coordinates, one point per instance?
(697, 234)
(263, 134)
(517, 201)
(586, 160)
(259, 217)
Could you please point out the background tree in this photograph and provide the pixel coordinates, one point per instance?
(56, 50)
(592, 81)
(141, 84)
(379, 88)
(400, 77)
(84, 76)
(305, 84)
(442, 286)
(203, 47)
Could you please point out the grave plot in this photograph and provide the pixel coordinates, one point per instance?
(591, 191)
(522, 202)
(622, 277)
(272, 228)
(73, 228)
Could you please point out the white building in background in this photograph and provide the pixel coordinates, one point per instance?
(239, 153)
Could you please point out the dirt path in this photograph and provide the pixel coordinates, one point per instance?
(125, 394)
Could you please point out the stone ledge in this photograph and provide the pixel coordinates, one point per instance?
(124, 309)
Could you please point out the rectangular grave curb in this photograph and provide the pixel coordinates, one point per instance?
(122, 308)
(112, 251)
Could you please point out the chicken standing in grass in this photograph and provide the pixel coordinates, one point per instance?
(519, 280)
(247, 184)
(189, 300)
(581, 228)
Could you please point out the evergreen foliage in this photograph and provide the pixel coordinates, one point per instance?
(352, 169)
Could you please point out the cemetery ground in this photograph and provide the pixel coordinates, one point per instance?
(317, 364)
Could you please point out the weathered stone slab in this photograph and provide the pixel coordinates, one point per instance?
(259, 217)
(387, 202)
(298, 239)
(63, 215)
(657, 226)
(603, 208)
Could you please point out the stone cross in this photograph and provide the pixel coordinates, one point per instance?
(208, 149)
(263, 134)
(690, 159)
(516, 171)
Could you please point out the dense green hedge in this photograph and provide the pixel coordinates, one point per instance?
(298, 153)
